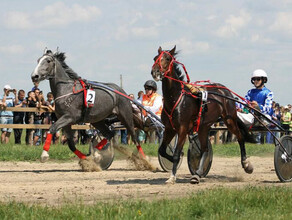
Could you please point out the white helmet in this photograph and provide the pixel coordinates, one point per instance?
(260, 73)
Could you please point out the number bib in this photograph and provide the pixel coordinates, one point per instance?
(90, 97)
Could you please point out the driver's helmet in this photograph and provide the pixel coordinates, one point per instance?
(151, 83)
(259, 73)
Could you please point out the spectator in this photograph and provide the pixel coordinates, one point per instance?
(259, 97)
(31, 102)
(6, 117)
(140, 94)
(286, 119)
(50, 116)
(277, 117)
(125, 137)
(290, 107)
(141, 136)
(274, 116)
(36, 86)
(37, 115)
(18, 117)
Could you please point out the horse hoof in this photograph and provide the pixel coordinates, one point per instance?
(45, 156)
(195, 179)
(171, 180)
(247, 166)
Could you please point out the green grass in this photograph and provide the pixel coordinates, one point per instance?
(233, 150)
(12, 152)
(220, 203)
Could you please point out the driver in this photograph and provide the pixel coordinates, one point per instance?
(152, 101)
(260, 97)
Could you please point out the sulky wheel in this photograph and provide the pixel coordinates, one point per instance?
(194, 155)
(103, 157)
(165, 164)
(283, 161)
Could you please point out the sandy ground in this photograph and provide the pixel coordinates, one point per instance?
(54, 183)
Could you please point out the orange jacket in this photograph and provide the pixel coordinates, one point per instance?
(153, 102)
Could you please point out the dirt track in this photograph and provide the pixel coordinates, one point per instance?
(54, 183)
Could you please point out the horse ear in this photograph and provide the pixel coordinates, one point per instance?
(45, 50)
(172, 51)
(57, 50)
(159, 50)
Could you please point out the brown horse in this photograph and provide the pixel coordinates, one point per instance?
(181, 113)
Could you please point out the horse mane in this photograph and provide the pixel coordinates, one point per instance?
(177, 70)
(60, 56)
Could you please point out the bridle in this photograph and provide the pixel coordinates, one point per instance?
(54, 70)
(52, 75)
(166, 74)
(170, 66)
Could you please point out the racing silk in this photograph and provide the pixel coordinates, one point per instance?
(264, 97)
(153, 103)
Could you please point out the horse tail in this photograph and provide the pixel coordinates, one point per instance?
(248, 136)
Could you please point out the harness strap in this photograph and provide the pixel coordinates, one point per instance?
(203, 103)
(172, 110)
(84, 90)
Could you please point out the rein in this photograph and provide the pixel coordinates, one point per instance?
(183, 91)
(173, 60)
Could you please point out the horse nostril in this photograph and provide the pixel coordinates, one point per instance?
(35, 77)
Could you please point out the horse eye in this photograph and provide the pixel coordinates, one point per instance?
(48, 61)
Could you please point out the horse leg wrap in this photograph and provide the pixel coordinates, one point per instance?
(140, 150)
(48, 142)
(101, 144)
(79, 154)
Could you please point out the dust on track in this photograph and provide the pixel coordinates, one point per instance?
(54, 183)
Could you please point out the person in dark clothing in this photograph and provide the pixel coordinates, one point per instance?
(29, 119)
(18, 117)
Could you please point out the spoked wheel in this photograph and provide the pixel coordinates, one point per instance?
(165, 164)
(282, 161)
(194, 155)
(103, 157)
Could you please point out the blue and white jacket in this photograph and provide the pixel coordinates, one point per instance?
(264, 97)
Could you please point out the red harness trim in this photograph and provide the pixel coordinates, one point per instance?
(84, 90)
(173, 60)
(197, 83)
(183, 92)
(172, 110)
(197, 126)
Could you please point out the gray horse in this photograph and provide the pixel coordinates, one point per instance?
(71, 102)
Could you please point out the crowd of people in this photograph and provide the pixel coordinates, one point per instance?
(18, 98)
(259, 97)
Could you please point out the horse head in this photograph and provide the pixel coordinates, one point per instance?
(45, 68)
(163, 63)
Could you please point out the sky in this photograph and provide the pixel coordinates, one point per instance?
(222, 41)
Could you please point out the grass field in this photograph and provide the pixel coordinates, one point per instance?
(12, 152)
(220, 203)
